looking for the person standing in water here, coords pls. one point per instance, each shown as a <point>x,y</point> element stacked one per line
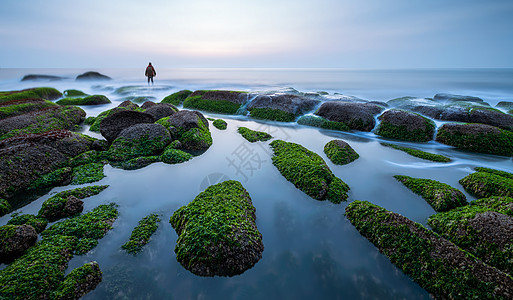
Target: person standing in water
<point>150,73</point>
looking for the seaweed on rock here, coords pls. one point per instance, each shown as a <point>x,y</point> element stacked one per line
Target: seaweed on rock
<point>308,172</point>
<point>217,233</point>
<point>88,100</point>
<point>271,114</point>
<point>419,153</point>
<point>254,136</point>
<point>441,196</point>
<point>79,282</point>
<point>484,184</point>
<point>340,152</point>
<point>321,122</point>
<point>177,98</point>
<point>220,124</point>
<point>141,234</point>
<point>437,265</point>
<point>38,223</point>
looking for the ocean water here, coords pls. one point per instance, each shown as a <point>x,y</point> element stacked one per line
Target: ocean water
<point>311,249</point>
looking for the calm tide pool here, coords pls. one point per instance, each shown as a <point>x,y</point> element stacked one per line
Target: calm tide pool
<point>311,249</point>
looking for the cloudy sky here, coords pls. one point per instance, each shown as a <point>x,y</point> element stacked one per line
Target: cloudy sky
<point>263,33</point>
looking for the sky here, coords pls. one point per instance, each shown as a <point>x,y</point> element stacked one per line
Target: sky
<point>368,34</point>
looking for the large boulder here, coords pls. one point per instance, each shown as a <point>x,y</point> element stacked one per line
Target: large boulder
<point>477,138</point>
<point>188,119</point>
<point>160,110</point>
<point>280,107</point>
<point>190,128</point>
<point>359,116</point>
<point>92,76</point>
<point>15,240</point>
<point>177,98</point>
<point>225,102</point>
<point>22,164</point>
<point>404,125</point>
<point>142,139</point>
<point>111,126</point>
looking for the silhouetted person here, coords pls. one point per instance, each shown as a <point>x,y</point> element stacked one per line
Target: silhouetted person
<point>150,73</point>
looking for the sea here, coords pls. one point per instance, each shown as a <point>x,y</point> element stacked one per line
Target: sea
<point>311,249</point>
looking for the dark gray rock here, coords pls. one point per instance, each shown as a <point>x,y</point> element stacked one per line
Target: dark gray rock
<point>92,76</point>
<point>231,96</point>
<point>143,139</point>
<point>359,116</point>
<point>188,119</point>
<point>41,77</point>
<point>452,98</point>
<point>15,240</point>
<point>111,126</point>
<point>292,104</point>
<point>404,125</point>
<point>160,110</point>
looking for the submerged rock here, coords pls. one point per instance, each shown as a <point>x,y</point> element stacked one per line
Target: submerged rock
<point>477,138</point>
<point>15,240</point>
<point>217,233</point>
<point>436,264</point>
<point>92,76</point>
<point>141,234</point>
<point>111,126</point>
<point>359,116</point>
<point>403,125</point>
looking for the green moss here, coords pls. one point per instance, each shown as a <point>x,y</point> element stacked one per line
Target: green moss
<point>18,109</point>
<point>42,92</point>
<point>338,154</point>
<point>39,224</point>
<point>503,205</point>
<point>196,139</point>
<point>483,185</point>
<point>441,196</point>
<point>88,157</point>
<point>136,163</point>
<point>496,172</point>
<point>72,287</point>
<point>38,272</point>
<point>254,136</point>
<point>177,98</point>
<point>272,114</point>
<point>401,132</point>
<point>419,153</point>
<point>7,232</point>
<point>307,171</point>
<point>456,226</point>
<point>90,226</point>
<point>217,106</point>
<point>175,156</point>
<point>124,149</point>
<point>89,100</point>
<point>54,205</point>
<point>58,177</point>
<point>87,173</point>
<point>90,120</point>
<point>452,274</point>
<point>141,234</point>
<point>220,124</point>
<point>321,122</point>
<point>500,143</point>
<point>73,93</point>
<point>222,216</point>
<point>5,207</point>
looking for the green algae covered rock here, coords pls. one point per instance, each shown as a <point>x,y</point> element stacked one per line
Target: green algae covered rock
<point>23,106</point>
<point>358,116</point>
<point>477,138</point>
<point>484,184</point>
<point>316,121</point>
<point>15,240</point>
<point>254,136</point>
<point>39,224</point>
<point>74,93</point>
<point>174,156</point>
<point>79,282</point>
<point>280,107</point>
<point>308,172</point>
<point>5,207</point>
<point>441,196</point>
<point>190,128</point>
<point>481,229</point>
<point>141,234</point>
<point>87,173</point>
<point>271,114</point>
<point>177,98</point>
<point>406,126</point>
<point>89,100</point>
<point>220,124</point>
<point>224,102</point>
<point>419,153</point>
<point>137,163</point>
<point>41,92</point>
<point>217,233</point>
<point>339,152</point>
<point>436,264</point>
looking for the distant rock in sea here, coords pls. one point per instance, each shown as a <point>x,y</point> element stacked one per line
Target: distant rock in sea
<point>41,77</point>
<point>92,76</point>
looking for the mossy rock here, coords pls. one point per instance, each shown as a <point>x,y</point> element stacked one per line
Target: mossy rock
<point>177,98</point>
<point>217,233</point>
<point>20,107</point>
<point>79,282</point>
<point>477,138</point>
<point>5,207</point>
<point>437,265</point>
<point>484,185</point>
<point>271,114</point>
<point>220,124</point>
<point>419,153</point>
<point>38,223</point>
<point>441,196</point>
<point>481,230</point>
<point>406,126</point>
<point>88,157</point>
<point>87,228</point>
<point>141,234</point>
<point>308,172</point>
<point>316,121</point>
<point>174,156</point>
<point>74,93</point>
<point>358,116</point>
<point>88,173</point>
<point>496,172</point>
<point>15,240</point>
<point>223,102</point>
<point>190,128</point>
<point>503,205</point>
<point>39,272</point>
<point>254,136</point>
<point>41,92</point>
<point>136,163</point>
<point>89,100</point>
<point>340,152</point>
